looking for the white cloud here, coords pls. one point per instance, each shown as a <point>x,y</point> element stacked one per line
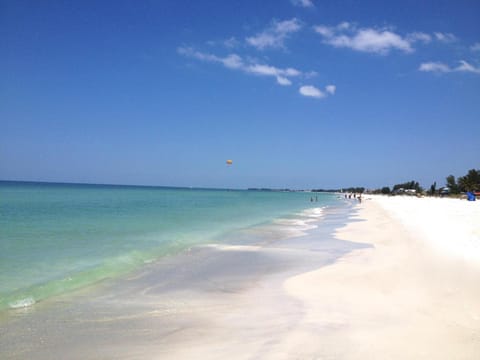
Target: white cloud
<point>235,62</point>
<point>371,40</point>
<point>434,67</point>
<point>466,67</point>
<point>188,51</point>
<point>232,61</point>
<point>344,25</point>
<point>324,30</point>
<point>380,41</point>
<point>444,68</point>
<point>311,91</point>
<point>475,47</point>
<point>265,40</point>
<point>231,43</point>
<point>283,81</point>
<point>303,3</point>
<point>330,89</point>
<point>287,26</point>
<point>266,70</point>
<point>419,36</point>
<point>275,35</point>
<point>374,40</point>
<point>445,37</point>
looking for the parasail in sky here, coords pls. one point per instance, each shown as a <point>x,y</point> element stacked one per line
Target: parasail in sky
<point>229,162</point>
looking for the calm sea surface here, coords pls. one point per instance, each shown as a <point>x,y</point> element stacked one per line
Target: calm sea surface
<point>58,237</point>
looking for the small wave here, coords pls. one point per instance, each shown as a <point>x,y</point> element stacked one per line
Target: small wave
<point>295,227</point>
<point>290,222</point>
<point>22,303</point>
<point>313,213</point>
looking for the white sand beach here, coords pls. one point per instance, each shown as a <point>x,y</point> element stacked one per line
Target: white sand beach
<point>414,295</point>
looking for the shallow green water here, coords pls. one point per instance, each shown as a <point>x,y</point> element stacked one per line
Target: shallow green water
<point>59,237</point>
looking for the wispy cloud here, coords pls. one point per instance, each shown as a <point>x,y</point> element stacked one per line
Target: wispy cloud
<point>303,3</point>
<point>232,61</point>
<point>475,47</point>
<point>235,62</point>
<point>376,40</point>
<point>310,74</point>
<point>330,89</point>
<point>379,41</point>
<point>466,67</point>
<point>312,91</point>
<point>231,42</point>
<point>439,67</point>
<point>419,36</point>
<point>275,35</point>
<point>445,37</point>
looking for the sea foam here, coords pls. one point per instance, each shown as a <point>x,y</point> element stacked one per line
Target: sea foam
<point>22,303</point>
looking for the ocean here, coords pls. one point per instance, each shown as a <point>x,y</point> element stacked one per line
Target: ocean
<point>55,238</point>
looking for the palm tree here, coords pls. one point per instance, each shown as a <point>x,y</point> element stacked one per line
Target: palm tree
<point>470,182</point>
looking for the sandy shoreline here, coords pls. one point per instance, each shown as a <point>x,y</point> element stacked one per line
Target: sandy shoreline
<point>406,298</point>
<point>216,302</point>
<point>382,288</point>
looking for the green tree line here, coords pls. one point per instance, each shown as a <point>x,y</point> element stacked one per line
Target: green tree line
<point>468,182</point>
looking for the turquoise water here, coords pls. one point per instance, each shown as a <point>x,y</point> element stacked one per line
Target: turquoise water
<point>59,237</point>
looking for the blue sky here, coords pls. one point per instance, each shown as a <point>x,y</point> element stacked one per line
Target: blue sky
<point>298,94</point>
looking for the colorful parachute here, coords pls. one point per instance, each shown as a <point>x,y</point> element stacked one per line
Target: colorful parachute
<point>229,162</point>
